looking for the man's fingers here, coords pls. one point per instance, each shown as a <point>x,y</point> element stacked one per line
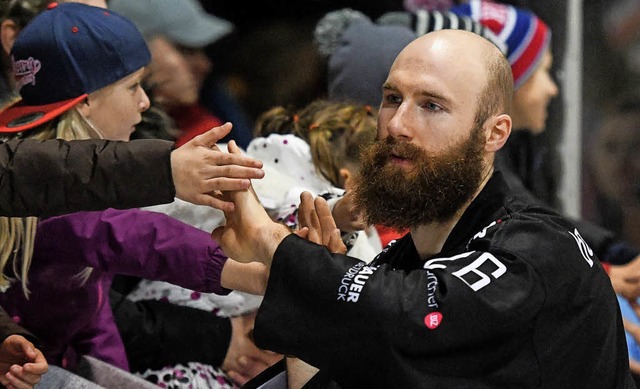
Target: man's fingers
<point>303,232</point>
<point>307,217</point>
<point>325,220</point>
<point>304,209</point>
<point>336,245</point>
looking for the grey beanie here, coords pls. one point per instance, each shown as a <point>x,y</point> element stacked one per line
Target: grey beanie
<point>360,52</point>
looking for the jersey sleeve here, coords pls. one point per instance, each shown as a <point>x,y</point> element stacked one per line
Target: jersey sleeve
<point>321,306</point>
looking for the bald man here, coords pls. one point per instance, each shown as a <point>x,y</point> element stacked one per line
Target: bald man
<point>485,292</point>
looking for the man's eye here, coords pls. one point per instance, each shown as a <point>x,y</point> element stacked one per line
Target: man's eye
<point>393,99</point>
<point>432,106</point>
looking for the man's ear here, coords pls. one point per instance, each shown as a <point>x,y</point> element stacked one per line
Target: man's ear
<point>8,34</point>
<point>498,131</point>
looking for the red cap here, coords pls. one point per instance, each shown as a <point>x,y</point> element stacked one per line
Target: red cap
<point>22,117</point>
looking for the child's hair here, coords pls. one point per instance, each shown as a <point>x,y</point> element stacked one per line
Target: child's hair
<point>17,234</point>
<point>335,131</point>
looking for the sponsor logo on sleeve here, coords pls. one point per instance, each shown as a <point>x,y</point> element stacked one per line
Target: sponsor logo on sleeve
<point>353,282</point>
<point>584,248</point>
<point>473,275</point>
<point>433,319</point>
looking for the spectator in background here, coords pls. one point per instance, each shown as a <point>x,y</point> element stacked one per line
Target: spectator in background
<point>614,168</point>
<point>179,33</point>
<point>84,110</point>
<point>317,149</point>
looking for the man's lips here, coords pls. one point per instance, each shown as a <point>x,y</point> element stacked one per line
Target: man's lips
<point>399,160</point>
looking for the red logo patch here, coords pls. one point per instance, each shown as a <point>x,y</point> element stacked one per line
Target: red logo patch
<point>433,320</point>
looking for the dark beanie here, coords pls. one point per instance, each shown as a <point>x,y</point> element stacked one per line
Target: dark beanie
<point>360,51</point>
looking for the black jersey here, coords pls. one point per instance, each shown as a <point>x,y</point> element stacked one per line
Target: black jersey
<point>516,299</point>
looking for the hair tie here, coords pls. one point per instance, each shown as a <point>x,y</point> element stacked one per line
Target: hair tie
<point>296,118</point>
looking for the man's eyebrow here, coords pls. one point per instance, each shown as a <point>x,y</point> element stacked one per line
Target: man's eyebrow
<point>436,96</point>
<point>388,86</point>
<point>427,93</point>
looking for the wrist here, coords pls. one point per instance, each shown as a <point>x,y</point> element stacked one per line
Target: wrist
<point>272,237</point>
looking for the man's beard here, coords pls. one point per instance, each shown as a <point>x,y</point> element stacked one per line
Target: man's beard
<point>435,188</point>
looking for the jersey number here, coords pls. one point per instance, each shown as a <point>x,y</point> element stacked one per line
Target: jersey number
<point>473,267</point>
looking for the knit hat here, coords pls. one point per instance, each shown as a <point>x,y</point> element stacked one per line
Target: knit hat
<point>361,52</point>
<point>184,22</point>
<point>423,21</point>
<point>526,36</point>
<point>431,5</point>
<point>65,53</point>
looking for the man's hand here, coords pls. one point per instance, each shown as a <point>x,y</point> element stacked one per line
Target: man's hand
<point>244,360</point>
<point>626,279</point>
<point>317,224</point>
<point>201,170</point>
<point>21,364</point>
<point>249,234</point>
<point>345,215</point>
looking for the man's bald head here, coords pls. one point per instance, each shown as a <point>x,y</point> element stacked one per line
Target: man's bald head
<point>471,57</point>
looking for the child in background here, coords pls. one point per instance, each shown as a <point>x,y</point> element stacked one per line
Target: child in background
<point>58,282</point>
<point>318,149</point>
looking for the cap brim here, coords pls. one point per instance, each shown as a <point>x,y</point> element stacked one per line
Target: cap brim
<point>20,117</point>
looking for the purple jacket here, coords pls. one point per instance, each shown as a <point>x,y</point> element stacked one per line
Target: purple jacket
<point>73,319</point>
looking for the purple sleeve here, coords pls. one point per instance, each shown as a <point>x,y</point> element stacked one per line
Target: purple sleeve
<point>101,339</point>
<point>133,242</point>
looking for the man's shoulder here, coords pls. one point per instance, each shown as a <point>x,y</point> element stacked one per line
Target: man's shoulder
<point>536,234</point>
